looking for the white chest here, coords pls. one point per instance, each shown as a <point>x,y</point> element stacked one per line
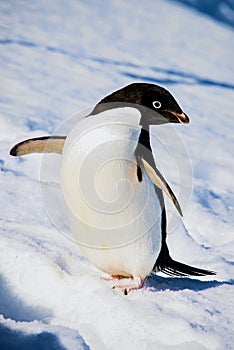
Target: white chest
<point>115,219</point>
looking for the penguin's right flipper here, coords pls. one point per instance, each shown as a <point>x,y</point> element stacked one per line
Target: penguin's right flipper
<point>167,265</point>
<point>44,144</point>
<point>159,181</point>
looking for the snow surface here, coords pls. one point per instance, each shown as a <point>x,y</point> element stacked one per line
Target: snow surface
<point>221,10</point>
<point>58,58</point>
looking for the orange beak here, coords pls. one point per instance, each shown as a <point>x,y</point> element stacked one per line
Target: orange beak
<point>182,117</point>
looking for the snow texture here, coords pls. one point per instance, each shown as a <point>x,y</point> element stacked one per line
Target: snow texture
<point>58,58</point>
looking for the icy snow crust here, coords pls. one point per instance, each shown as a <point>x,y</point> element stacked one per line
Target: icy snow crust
<point>58,58</point>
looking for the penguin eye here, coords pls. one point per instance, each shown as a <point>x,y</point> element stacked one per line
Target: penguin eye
<point>157,104</point>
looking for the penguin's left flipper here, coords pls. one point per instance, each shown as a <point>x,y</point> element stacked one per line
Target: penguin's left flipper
<point>159,181</point>
<point>44,144</point>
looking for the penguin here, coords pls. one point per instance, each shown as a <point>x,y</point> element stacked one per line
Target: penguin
<point>112,188</point>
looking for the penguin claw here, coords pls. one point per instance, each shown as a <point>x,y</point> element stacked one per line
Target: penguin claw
<point>137,283</point>
<point>126,288</point>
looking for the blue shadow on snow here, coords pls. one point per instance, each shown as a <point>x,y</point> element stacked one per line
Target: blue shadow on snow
<point>197,80</point>
<point>16,308</point>
<point>179,76</point>
<point>219,10</point>
<point>181,283</point>
<point>13,340</point>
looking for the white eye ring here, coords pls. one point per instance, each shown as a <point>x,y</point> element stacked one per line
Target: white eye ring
<point>157,104</point>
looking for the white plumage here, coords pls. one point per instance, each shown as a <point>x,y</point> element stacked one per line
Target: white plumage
<point>115,218</point>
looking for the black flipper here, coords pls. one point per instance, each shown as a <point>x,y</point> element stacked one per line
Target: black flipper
<point>164,262</point>
<point>159,181</point>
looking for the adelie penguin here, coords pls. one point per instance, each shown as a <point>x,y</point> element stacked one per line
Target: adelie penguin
<point>113,191</point>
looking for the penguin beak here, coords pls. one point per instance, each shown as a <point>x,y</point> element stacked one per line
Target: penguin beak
<point>174,117</point>
<point>182,117</point>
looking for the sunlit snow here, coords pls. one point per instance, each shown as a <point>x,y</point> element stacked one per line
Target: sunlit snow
<point>59,58</point>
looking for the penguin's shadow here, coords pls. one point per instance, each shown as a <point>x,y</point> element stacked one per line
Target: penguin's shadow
<point>159,283</point>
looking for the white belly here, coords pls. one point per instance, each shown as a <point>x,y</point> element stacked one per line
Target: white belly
<point>115,219</point>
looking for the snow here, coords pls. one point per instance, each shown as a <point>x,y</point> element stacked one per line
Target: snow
<point>58,58</point>
<point>220,10</point>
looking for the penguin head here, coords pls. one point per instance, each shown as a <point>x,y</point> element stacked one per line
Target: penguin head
<point>156,104</point>
<point>163,104</point>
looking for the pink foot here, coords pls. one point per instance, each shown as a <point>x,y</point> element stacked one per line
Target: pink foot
<point>137,283</point>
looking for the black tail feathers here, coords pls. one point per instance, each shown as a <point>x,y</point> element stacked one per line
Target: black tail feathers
<point>175,268</point>
<point>171,267</point>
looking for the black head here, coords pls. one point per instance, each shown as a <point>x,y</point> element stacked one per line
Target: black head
<point>156,104</point>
